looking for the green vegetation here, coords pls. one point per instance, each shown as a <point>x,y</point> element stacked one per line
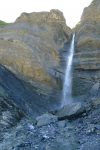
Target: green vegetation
<point>2,23</point>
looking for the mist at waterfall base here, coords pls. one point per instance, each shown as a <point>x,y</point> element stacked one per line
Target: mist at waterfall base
<point>67,85</point>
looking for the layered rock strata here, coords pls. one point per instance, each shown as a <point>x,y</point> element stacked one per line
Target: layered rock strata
<point>30,49</point>
<point>87,56</point>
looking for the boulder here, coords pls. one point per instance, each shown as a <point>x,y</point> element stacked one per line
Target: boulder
<point>46,119</point>
<point>70,110</point>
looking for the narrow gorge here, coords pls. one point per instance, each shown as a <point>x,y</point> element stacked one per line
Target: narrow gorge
<point>50,82</point>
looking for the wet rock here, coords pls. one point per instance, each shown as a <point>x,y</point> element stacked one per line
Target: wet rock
<point>46,119</point>
<point>70,110</point>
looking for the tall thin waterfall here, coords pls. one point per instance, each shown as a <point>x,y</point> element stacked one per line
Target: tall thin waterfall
<point>67,85</point>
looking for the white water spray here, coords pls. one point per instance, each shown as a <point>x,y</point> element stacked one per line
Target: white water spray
<point>67,86</point>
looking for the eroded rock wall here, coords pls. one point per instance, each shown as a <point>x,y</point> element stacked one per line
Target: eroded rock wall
<point>87,55</point>
<point>30,49</point>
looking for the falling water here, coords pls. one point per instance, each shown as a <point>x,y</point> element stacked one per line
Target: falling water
<point>67,86</point>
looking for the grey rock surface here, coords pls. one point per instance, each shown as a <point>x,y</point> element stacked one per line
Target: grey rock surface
<point>70,110</point>
<point>80,133</point>
<point>46,119</point>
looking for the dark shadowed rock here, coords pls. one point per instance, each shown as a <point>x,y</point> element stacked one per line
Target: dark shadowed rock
<point>62,124</point>
<point>10,115</point>
<point>23,94</point>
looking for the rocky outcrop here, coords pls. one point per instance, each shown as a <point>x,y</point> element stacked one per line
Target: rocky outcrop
<point>30,57</point>
<point>51,18</point>
<point>87,56</point>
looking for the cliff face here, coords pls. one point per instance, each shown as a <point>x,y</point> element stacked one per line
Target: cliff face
<point>32,61</point>
<point>30,48</point>
<point>87,56</point>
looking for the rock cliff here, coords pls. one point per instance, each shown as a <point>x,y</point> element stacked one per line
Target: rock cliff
<point>32,61</point>
<point>30,49</point>
<point>87,56</point>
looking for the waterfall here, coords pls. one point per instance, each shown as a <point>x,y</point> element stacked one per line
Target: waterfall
<point>67,85</point>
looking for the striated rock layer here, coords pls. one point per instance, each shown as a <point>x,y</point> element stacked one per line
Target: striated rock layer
<point>87,56</point>
<point>30,48</point>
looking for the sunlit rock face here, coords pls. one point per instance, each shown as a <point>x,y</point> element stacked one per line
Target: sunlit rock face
<point>87,57</point>
<point>30,48</point>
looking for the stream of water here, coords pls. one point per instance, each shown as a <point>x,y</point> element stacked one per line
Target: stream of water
<point>67,85</point>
